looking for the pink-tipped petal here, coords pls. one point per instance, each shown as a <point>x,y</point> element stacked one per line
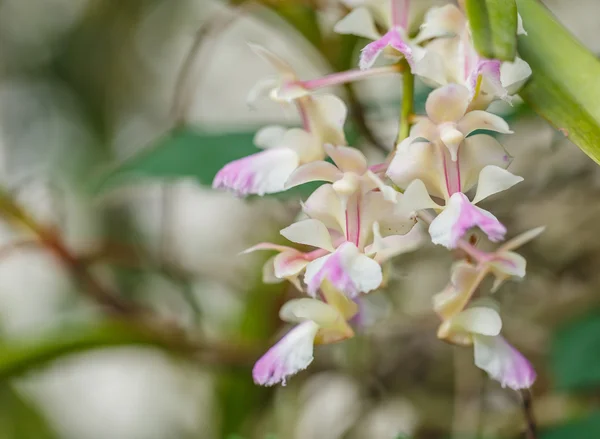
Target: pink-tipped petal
<point>503,362</point>
<point>291,354</point>
<point>262,173</point>
<point>347,269</point>
<point>460,215</point>
<point>394,39</point>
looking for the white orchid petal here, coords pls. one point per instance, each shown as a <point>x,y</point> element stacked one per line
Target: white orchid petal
<point>263,88</point>
<point>309,232</point>
<point>327,114</point>
<point>478,320</point>
<point>306,145</point>
<point>291,354</point>
<point>300,310</point>
<point>279,64</point>
<point>389,194</point>
<point>358,22</point>
<point>384,248</point>
<point>503,362</point>
<point>444,21</point>
<point>520,28</point>
<point>460,215</point>
<point>325,205</point>
<point>315,171</point>
<point>415,198</point>
<point>448,103</point>
<point>522,239</point>
<point>482,120</point>
<point>289,264</point>
<point>493,179</point>
<point>477,152</point>
<point>262,173</point>
<point>513,75</point>
<point>270,136</point>
<point>347,159</point>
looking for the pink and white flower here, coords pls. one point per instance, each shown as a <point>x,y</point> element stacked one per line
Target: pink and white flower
<point>440,159</point>
<point>317,322</point>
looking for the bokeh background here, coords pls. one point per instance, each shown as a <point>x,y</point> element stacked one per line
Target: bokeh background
<point>125,312</point>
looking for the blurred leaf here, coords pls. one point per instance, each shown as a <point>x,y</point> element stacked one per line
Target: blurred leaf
<point>588,428</point>
<point>494,27</point>
<point>564,87</point>
<point>17,357</point>
<point>19,419</point>
<point>576,354</point>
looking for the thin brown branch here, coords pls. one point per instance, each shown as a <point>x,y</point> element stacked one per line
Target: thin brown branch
<point>527,405</point>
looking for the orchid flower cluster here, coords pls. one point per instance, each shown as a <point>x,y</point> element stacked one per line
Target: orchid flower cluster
<point>364,215</point>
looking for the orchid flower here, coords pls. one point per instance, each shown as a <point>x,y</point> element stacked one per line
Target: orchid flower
<point>318,322</point>
<point>361,22</point>
<point>266,172</point>
<point>440,159</point>
<point>480,326</point>
<point>466,277</point>
<point>445,33</point>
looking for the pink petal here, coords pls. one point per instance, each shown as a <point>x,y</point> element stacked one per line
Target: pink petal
<point>291,354</point>
<point>460,215</point>
<point>348,270</point>
<point>262,173</point>
<point>392,38</point>
<point>503,362</point>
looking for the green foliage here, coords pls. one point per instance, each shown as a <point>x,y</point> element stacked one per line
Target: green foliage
<point>17,357</point>
<point>564,87</point>
<point>576,354</point>
<point>494,27</point>
<point>19,419</point>
<point>588,428</point>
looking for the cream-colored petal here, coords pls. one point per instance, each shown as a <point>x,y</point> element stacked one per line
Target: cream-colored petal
<point>416,198</point>
<point>327,114</point>
<point>269,136</point>
<point>513,75</point>
<point>493,179</point>
<point>347,159</point>
<point>482,120</point>
<point>279,64</point>
<point>309,232</point>
<point>315,171</point>
<point>358,22</point>
<point>325,205</point>
<point>478,320</point>
<point>300,310</point>
<point>441,21</point>
<point>448,103</point>
<point>305,144</point>
<point>477,152</point>
<point>522,239</point>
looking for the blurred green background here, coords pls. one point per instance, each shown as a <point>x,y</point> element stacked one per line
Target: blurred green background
<point>125,312</point>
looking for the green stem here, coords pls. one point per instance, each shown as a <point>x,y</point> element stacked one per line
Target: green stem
<point>407,109</point>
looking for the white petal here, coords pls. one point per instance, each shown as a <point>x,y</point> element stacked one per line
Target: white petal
<point>358,22</point>
<point>266,246</point>
<point>513,75</point>
<point>348,270</point>
<point>477,152</point>
<point>291,354</point>
<point>522,239</point>
<point>289,264</point>
<point>327,114</point>
<point>300,310</point>
<point>448,103</point>
<point>324,204</point>
<point>503,362</point>
<point>460,215</point>
<point>441,21</point>
<point>507,265</point>
<point>279,64</point>
<point>262,88</point>
<point>270,136</point>
<point>262,173</point>
<point>520,28</point>
<point>315,171</point>
<point>309,232</point>
<point>388,192</point>
<point>307,146</point>
<point>478,320</point>
<point>384,248</point>
<point>416,198</point>
<point>268,273</point>
<point>415,160</point>
<point>482,120</point>
<point>492,180</point>
<point>391,219</point>
<point>347,159</point>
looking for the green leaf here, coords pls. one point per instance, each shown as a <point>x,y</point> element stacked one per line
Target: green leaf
<point>494,27</point>
<point>20,356</point>
<point>588,428</point>
<point>576,354</point>
<point>19,419</point>
<point>564,87</point>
